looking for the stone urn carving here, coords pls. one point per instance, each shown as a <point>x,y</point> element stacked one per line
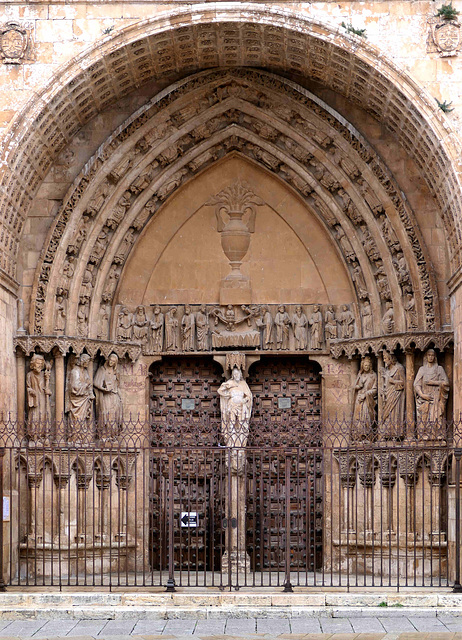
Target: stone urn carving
<point>235,213</point>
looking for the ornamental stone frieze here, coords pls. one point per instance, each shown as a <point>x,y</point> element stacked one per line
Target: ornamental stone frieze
<point>331,167</point>
<point>64,345</point>
<point>410,340</point>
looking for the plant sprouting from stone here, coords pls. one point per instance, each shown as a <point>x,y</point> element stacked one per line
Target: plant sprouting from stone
<point>444,106</point>
<point>349,28</point>
<point>108,30</point>
<point>447,12</point>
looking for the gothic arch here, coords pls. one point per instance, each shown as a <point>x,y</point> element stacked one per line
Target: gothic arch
<point>274,123</point>
<point>172,46</point>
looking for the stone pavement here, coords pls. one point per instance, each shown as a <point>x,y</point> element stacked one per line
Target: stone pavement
<point>398,627</point>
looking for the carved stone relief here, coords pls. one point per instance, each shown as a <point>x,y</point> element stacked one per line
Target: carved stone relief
<point>444,36</point>
<point>16,44</point>
<point>317,175</point>
<point>178,328</point>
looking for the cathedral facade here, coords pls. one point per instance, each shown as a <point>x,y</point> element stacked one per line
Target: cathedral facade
<point>230,293</point>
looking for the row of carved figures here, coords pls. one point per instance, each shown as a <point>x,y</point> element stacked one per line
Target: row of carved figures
<point>431,390</point>
<point>82,395</point>
<point>212,327</point>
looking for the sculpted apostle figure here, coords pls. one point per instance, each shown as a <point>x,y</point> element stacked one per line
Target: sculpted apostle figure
<point>365,399</point>
<point>79,393</point>
<point>202,329</point>
<point>38,396</point>
<point>431,388</point>
<point>330,319</point>
<point>299,324</point>
<point>236,408</point>
<point>188,323</point>
<point>394,384</point>
<point>171,330</point>
<point>347,322</point>
<point>157,327</point>
<point>282,322</point>
<point>124,325</point>
<point>140,326</point>
<point>265,322</point>
<point>108,400</point>
<point>316,333</point>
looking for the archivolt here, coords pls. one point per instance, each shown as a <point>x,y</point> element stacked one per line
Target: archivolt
<point>182,131</point>
<point>187,40</point>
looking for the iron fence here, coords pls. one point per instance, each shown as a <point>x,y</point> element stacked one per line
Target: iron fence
<point>165,504</point>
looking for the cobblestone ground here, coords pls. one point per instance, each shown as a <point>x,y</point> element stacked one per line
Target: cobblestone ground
<point>444,627</point>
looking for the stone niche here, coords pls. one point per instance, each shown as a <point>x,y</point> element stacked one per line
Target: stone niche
<point>179,258</point>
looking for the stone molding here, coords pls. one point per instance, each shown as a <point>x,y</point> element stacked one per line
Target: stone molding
<point>418,340</point>
<point>65,345</point>
<point>138,194</point>
<point>97,78</point>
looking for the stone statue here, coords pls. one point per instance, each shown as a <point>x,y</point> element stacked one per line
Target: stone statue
<point>124,325</point>
<point>330,320</point>
<point>171,330</point>
<point>366,316</point>
<point>141,327</point>
<point>87,282</point>
<point>393,394</point>
<point>103,320</point>
<point>300,324</point>
<point>347,322</point>
<point>79,393</point>
<point>202,329</point>
<point>265,322</point>
<point>388,320</point>
<point>282,322</point>
<point>38,395</point>
<point>60,313</point>
<point>365,399</point>
<point>108,400</point>
<point>236,408</point>
<point>157,328</point>
<point>188,323</point>
<point>431,388</point>
<point>316,333</point>
<point>411,312</point>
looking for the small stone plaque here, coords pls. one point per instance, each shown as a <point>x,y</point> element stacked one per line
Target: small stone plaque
<point>188,404</point>
<point>284,403</point>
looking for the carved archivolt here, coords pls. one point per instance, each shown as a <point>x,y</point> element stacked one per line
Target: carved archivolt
<point>277,125</point>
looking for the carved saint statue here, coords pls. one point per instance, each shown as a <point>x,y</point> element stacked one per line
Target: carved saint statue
<point>108,400</point>
<point>38,395</point>
<point>366,316</point>
<point>300,324</point>
<point>140,326</point>
<point>330,319</point>
<point>236,408</point>
<point>388,320</point>
<point>188,323</point>
<point>171,330</point>
<point>202,329</point>
<point>365,399</point>
<point>316,333</point>
<point>431,388</point>
<point>394,384</point>
<point>411,311</point>
<point>157,328</point>
<point>347,322</point>
<point>79,394</point>
<point>60,314</point>
<point>282,322</point>
<point>265,322</point>
<point>124,325</point>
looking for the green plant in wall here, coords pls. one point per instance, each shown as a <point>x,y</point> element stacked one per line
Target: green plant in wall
<point>444,106</point>
<point>349,28</point>
<point>447,12</point>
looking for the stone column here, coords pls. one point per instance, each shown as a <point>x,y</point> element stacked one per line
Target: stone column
<point>21,390</point>
<point>410,402</point>
<point>59,391</point>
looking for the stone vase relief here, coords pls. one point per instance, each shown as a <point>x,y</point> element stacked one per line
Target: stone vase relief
<point>235,212</point>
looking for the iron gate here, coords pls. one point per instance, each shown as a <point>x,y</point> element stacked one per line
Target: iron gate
<point>161,505</point>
